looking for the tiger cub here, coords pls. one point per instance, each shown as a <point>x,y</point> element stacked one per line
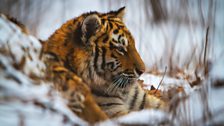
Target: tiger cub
<point>98,48</point>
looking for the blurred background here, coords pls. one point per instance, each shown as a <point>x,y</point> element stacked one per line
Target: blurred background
<point>170,33</point>
<point>186,36</point>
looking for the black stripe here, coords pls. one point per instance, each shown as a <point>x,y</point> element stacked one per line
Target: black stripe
<point>68,63</point>
<point>127,71</point>
<point>134,98</point>
<point>90,72</point>
<point>96,57</point>
<point>110,16</point>
<point>113,56</point>
<point>108,104</point>
<point>111,65</point>
<point>112,46</point>
<point>107,27</point>
<point>111,25</point>
<point>143,102</point>
<point>102,94</point>
<point>103,21</point>
<point>117,67</point>
<point>117,22</point>
<point>114,40</point>
<point>106,39</point>
<point>119,37</point>
<point>103,58</point>
<point>120,26</point>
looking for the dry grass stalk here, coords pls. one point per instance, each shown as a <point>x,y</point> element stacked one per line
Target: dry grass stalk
<point>205,54</point>
<point>161,80</point>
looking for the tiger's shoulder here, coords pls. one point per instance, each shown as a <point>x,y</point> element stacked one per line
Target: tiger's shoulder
<point>73,89</point>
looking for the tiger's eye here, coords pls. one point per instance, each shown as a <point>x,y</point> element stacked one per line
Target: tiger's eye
<point>120,48</point>
<point>115,31</point>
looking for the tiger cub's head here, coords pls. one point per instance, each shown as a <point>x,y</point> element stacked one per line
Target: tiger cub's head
<point>98,47</point>
<point>113,54</point>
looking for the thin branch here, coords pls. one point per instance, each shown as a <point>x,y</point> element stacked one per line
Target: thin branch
<point>161,80</point>
<point>205,53</point>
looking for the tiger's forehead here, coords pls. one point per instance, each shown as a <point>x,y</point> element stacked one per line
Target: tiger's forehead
<point>113,23</point>
<point>117,29</point>
<point>119,39</point>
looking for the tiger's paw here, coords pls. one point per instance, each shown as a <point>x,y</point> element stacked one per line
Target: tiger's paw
<point>76,102</point>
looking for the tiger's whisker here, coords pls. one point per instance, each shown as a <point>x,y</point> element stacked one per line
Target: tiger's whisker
<point>115,83</point>
<point>125,82</point>
<point>112,85</point>
<point>118,84</point>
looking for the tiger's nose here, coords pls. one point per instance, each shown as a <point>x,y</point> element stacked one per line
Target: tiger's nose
<point>140,71</point>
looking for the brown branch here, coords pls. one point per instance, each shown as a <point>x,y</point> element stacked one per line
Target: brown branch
<point>161,80</point>
<point>205,53</point>
<point>158,11</point>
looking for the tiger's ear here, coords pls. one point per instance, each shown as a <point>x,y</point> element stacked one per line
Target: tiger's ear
<point>119,13</point>
<point>91,24</point>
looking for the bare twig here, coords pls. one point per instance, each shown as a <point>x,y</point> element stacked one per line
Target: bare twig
<point>161,80</point>
<point>205,53</point>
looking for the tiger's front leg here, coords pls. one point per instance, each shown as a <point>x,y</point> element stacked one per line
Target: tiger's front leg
<point>78,95</point>
<point>113,106</point>
<point>139,99</point>
<point>154,102</point>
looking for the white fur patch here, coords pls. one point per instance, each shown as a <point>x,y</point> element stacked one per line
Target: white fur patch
<point>116,36</point>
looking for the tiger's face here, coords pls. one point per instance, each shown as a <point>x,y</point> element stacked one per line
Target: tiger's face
<point>114,56</point>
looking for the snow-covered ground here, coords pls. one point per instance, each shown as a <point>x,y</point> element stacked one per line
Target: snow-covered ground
<point>23,100</point>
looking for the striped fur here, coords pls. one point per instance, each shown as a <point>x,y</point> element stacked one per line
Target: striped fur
<point>99,48</point>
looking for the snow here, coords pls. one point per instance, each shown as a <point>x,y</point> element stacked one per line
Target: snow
<point>193,107</point>
<point>22,44</point>
<point>22,102</point>
<point>150,79</point>
<point>145,117</point>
